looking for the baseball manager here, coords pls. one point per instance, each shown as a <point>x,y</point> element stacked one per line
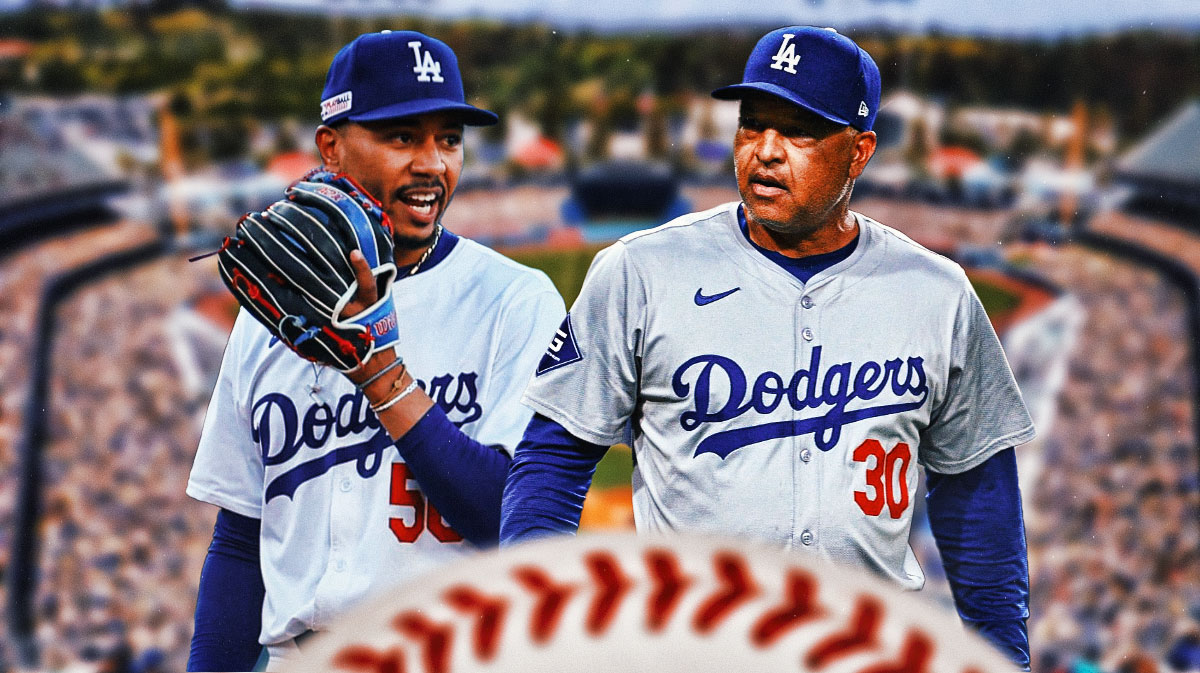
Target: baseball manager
<point>786,364</point>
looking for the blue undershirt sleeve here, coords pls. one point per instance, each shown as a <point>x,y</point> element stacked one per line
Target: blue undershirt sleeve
<point>977,522</point>
<point>230,598</point>
<point>460,476</point>
<point>547,483</point>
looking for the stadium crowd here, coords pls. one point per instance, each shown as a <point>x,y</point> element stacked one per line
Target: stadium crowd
<point>1113,530</point>
<point>1114,527</point>
<point>121,545</point>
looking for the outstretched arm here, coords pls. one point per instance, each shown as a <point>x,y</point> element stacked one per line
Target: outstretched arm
<point>977,522</point>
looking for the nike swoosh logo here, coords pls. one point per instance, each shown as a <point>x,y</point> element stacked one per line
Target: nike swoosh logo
<point>702,300</point>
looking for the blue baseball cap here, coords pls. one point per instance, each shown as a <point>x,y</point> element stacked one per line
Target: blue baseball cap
<point>816,68</point>
<point>396,74</point>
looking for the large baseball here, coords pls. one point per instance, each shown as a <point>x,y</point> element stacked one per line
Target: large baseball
<point>611,603</point>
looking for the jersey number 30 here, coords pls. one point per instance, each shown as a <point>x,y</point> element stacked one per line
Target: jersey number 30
<point>424,514</point>
<point>887,480</point>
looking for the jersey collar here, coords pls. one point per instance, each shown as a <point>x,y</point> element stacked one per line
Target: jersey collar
<point>444,245</point>
<point>848,270</point>
<point>803,268</point>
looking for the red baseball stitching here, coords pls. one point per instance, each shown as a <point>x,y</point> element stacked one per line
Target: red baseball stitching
<point>737,587</point>
<point>800,607</point>
<point>670,585</point>
<point>860,635</point>
<point>436,639</point>
<point>364,658</point>
<point>551,599</point>
<point>488,613</point>
<point>610,584</point>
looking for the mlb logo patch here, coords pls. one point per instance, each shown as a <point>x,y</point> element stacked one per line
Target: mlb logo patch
<point>336,105</point>
<point>563,349</point>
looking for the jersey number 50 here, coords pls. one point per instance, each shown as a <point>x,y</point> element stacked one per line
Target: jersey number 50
<point>424,514</point>
<point>888,479</point>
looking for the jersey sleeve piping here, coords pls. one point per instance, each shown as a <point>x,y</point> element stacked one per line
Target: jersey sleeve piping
<point>224,501</point>
<point>989,449</point>
<point>564,419</point>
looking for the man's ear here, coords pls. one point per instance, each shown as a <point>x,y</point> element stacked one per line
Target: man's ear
<point>864,149</point>
<point>329,144</point>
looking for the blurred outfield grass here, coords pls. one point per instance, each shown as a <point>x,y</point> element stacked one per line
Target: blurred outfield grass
<point>566,268</point>
<point>996,300</point>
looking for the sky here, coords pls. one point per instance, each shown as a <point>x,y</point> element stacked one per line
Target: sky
<point>1007,17</point>
<point>996,17</point>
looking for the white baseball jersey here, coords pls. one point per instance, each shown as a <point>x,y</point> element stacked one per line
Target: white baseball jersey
<point>297,446</point>
<point>787,411</point>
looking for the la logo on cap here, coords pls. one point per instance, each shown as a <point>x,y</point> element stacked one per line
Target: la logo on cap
<point>786,58</point>
<point>427,69</point>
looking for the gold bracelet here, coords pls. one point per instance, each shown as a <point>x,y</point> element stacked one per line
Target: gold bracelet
<point>408,390</point>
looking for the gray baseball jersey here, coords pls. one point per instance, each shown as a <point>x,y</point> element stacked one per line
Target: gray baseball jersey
<point>786,411</point>
<point>296,445</point>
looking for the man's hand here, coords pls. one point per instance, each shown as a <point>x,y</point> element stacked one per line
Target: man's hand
<point>367,293</point>
<point>397,419</point>
<point>316,269</point>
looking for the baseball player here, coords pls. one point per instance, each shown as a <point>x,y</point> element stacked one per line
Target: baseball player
<point>785,363</point>
<point>331,486</point>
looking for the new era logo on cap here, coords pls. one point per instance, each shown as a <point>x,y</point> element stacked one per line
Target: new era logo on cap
<point>817,69</point>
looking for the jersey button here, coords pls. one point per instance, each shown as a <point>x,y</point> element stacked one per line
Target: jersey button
<point>346,486</point>
<point>807,333</point>
<point>805,455</point>
<point>340,566</point>
<point>806,538</point>
<point>806,301</point>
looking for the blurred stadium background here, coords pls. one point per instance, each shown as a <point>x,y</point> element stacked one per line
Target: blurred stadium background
<point>1054,152</point>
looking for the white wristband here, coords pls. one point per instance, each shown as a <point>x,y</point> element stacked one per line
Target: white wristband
<point>403,394</point>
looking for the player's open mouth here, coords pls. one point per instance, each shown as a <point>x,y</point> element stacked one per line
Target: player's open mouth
<point>766,187</point>
<point>422,205</point>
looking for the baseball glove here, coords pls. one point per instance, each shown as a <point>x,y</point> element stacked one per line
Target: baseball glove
<point>289,266</point>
